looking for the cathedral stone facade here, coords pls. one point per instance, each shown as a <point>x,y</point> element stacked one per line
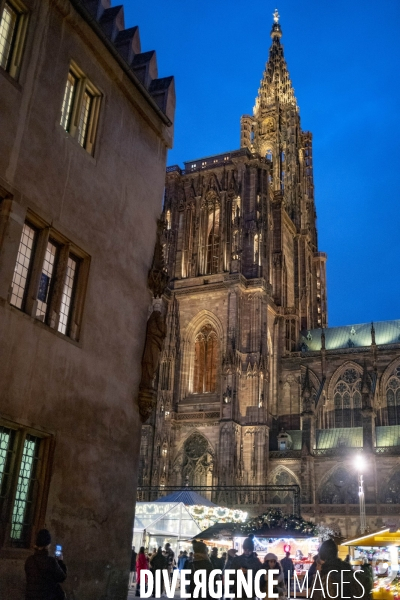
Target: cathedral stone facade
<point>253,387</point>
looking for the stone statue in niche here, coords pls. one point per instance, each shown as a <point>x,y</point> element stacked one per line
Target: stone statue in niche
<point>156,329</point>
<point>155,335</point>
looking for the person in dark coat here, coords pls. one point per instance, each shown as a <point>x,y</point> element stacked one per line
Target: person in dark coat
<point>247,560</point>
<point>200,561</point>
<point>312,570</point>
<point>216,561</point>
<point>287,567</point>
<point>132,574</point>
<point>330,563</point>
<point>44,573</point>
<point>158,562</point>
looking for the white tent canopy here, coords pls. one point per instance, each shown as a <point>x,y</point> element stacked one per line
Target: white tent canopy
<point>159,522</point>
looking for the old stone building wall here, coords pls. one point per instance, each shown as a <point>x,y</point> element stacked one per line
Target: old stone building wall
<point>85,126</point>
<point>292,401</point>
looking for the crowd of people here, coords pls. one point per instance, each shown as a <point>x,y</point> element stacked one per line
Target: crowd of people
<point>45,573</point>
<point>326,561</point>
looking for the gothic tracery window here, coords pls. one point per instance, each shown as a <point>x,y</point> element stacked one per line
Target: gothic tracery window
<point>340,488</point>
<point>205,360</point>
<point>213,242</point>
<point>282,477</point>
<point>392,492</point>
<point>347,400</point>
<point>393,398</point>
<point>197,461</point>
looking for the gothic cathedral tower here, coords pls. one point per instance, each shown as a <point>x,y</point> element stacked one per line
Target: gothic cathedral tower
<point>241,249</point>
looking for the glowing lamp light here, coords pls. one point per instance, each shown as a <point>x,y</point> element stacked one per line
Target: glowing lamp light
<point>359,463</point>
<point>286,548</point>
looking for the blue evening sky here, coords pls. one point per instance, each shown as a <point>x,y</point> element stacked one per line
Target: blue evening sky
<point>343,59</point>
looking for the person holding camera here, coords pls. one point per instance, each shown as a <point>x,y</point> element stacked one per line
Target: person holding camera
<point>44,573</point>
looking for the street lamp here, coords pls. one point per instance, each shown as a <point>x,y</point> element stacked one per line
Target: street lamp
<point>360,466</point>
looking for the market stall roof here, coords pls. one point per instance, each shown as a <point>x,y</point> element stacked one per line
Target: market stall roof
<point>384,537</point>
<point>230,530</point>
<point>188,498</point>
<point>168,518</point>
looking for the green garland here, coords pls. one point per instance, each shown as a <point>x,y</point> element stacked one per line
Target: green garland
<point>275,518</point>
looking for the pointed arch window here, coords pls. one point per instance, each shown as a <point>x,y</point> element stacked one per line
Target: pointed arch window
<point>205,362</point>
<point>213,241</point>
<point>340,488</point>
<point>168,219</point>
<point>392,492</point>
<point>347,400</point>
<point>393,398</point>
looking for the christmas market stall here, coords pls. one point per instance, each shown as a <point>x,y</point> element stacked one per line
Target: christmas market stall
<point>177,518</point>
<point>159,523</point>
<point>381,550</point>
<point>273,532</point>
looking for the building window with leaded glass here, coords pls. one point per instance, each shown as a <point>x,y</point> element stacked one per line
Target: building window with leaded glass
<point>80,108</point>
<point>13,25</point>
<point>23,471</point>
<point>49,279</point>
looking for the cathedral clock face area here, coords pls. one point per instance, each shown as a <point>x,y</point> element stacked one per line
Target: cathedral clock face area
<point>254,387</point>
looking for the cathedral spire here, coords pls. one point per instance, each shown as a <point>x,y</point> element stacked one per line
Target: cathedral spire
<point>276,85</point>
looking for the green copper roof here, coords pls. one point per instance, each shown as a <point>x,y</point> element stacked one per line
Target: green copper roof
<point>388,436</point>
<point>296,435</point>
<point>351,336</point>
<point>348,437</point>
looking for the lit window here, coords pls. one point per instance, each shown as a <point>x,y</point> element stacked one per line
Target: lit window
<point>80,109</point>
<point>68,290</point>
<point>12,35</point>
<point>86,109</point>
<point>21,482</point>
<point>45,281</point>
<point>22,266</point>
<point>168,219</point>
<point>68,99</point>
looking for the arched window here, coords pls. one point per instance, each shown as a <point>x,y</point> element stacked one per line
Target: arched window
<point>392,492</point>
<point>282,477</point>
<point>205,361</point>
<point>197,461</point>
<point>168,219</point>
<point>256,248</point>
<point>393,398</point>
<point>347,400</point>
<point>341,488</point>
<point>213,242</point>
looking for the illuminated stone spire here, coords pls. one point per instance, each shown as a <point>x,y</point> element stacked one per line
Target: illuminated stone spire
<point>276,85</point>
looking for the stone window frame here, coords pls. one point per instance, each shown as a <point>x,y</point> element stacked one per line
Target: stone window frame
<point>353,389</point>
<point>76,107</point>
<point>66,250</point>
<point>207,350</point>
<point>14,60</point>
<point>204,317</point>
<point>23,488</point>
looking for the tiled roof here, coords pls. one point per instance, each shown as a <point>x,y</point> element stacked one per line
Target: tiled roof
<point>350,437</point>
<point>388,436</point>
<point>187,497</point>
<point>351,336</point>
